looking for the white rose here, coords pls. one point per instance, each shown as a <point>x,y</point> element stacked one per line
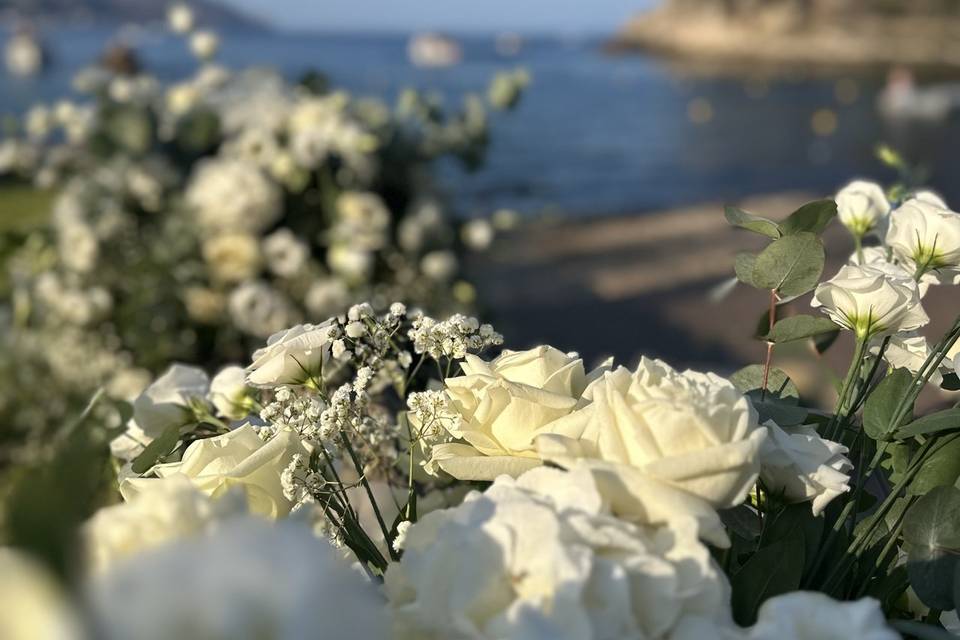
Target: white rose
<point>229,393</point>
<point>292,356</point>
<point>802,466</point>
<point>239,458</point>
<point>862,207</point>
<point>925,237</point>
<point>807,615</point>
<point>503,405</point>
<point>694,433</point>
<point>232,257</point>
<point>253,579</point>
<point>910,351</point>
<point>167,510</point>
<point>32,604</point>
<point>166,402</point>
<point>541,557</point>
<point>870,302</point>
<point>204,44</point>
<point>930,197</point>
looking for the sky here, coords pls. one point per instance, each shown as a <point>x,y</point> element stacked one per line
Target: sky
<point>559,16</point>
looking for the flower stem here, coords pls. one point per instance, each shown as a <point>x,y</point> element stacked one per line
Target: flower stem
<point>370,496</point>
<point>770,345</point>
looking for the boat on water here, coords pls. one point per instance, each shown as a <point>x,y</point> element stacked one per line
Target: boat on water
<point>434,50</point>
<point>24,54</point>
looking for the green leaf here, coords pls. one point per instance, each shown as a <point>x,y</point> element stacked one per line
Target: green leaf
<point>931,533</point>
<point>742,521</point>
<point>743,267</point>
<point>921,630</point>
<point>824,341</point>
<point>157,449</point>
<point>812,217</point>
<point>791,265</point>
<point>793,520</point>
<point>951,382</point>
<point>798,328</point>
<point>779,403</point>
<point>939,469</point>
<point>940,421</point>
<point>771,571</point>
<point>883,401</point>
<point>740,218</point>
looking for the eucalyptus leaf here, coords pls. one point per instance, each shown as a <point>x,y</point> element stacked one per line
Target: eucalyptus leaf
<point>945,420</point>
<point>797,519</point>
<point>812,217</point>
<point>791,265</point>
<point>740,218</point>
<point>931,533</point>
<point>156,450</point>
<point>749,380</point>
<point>939,469</point>
<point>883,401</point>
<point>742,521</point>
<point>743,267</point>
<point>771,571</point>
<point>798,328</point>
<point>823,341</point>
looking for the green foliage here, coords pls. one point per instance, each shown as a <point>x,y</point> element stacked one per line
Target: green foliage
<point>791,266</point>
<point>941,468</point>
<point>946,420</point>
<point>157,450</point>
<point>771,571</point>
<point>740,218</point>
<point>878,413</point>
<point>780,402</point>
<point>812,217</point>
<point>798,328</point>
<point>931,534</point>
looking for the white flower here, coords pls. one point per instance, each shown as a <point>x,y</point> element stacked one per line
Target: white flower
<point>807,615</point>
<point>252,580</point>
<point>362,220</point>
<point>477,234</point>
<point>239,458</point>
<point>870,302</point>
<point>909,351</point>
<point>799,464</point>
<point>286,255</point>
<point>182,97</point>
<point>180,18</point>
<point>168,509</point>
<point>204,44</point>
<point>664,444</point>
<point>32,604</point>
<point>166,402</point>
<point>327,298</point>
<point>292,356</point>
<point>231,195</point>
<point>540,557</point>
<point>351,263</point>
<point>862,207</point>
<point>232,257</point>
<point>259,309</point>
<point>439,265</point>
<point>229,392</point>
<point>503,405</point>
<point>926,238</point>
<point>930,197</point>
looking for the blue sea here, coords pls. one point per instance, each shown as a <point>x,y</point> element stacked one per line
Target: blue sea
<point>595,134</point>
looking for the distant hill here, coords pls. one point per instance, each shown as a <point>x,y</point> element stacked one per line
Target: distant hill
<point>921,33</point>
<point>209,12</point>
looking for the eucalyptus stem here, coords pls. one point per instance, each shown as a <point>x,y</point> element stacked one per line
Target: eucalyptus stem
<point>772,315</point>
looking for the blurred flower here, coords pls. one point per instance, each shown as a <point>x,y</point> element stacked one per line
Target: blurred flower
<point>439,265</point>
<point>797,463</point>
<point>239,458</point>
<point>477,234</point>
<point>180,18</point>
<point>169,509</point>
<point>542,557</point>
<point>232,257</point>
<point>204,305</point>
<point>870,302</point>
<point>252,580</point>
<point>327,297</point>
<point>863,207</point>
<point>807,615</point>
<point>259,309</point>
<point>353,263</point>
<point>204,44</point>
<point>286,255</point>
<point>231,195</point>
<point>32,604</point>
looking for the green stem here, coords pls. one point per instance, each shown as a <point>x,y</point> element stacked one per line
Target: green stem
<point>836,423</point>
<point>370,496</point>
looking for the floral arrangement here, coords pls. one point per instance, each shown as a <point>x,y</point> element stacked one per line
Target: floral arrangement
<point>197,217</point>
<point>523,495</point>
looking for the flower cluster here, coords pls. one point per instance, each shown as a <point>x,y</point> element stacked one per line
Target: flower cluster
<point>196,217</point>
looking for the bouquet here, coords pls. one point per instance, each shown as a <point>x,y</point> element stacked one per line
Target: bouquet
<point>197,217</point>
<point>524,495</point>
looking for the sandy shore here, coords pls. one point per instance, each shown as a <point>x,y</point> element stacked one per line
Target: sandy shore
<point>632,285</point>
